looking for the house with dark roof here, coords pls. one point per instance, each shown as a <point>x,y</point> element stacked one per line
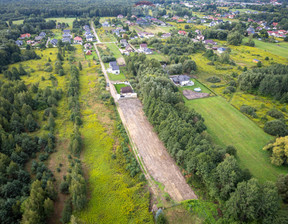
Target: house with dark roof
<point>208,42</point>
<point>123,42</point>
<point>166,35</point>
<point>66,40</point>
<point>42,34</point>
<point>183,80</point>
<point>89,37</point>
<point>113,68</point>
<point>54,42</point>
<point>19,43</point>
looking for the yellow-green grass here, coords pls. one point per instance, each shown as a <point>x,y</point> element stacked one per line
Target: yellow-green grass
<point>181,26</point>
<point>197,84</point>
<point>157,56</point>
<point>104,35</point>
<point>69,21</point>
<point>120,77</point>
<point>115,197</point>
<point>119,86</point>
<point>280,49</point>
<point>157,29</point>
<point>228,126</point>
<point>57,34</point>
<point>114,49</point>
<point>90,57</point>
<point>260,103</point>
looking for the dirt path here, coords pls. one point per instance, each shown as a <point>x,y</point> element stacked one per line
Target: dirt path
<point>156,159</point>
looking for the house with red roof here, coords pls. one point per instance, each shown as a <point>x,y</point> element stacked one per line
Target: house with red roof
<point>25,35</point>
<point>182,32</point>
<point>78,40</point>
<point>180,21</point>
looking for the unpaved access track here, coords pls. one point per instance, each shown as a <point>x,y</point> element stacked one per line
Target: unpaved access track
<point>156,159</point>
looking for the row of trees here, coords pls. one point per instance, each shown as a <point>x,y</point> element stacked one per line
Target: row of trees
<point>215,167</point>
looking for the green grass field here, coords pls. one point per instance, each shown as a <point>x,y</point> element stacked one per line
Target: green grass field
<point>114,49</point>
<point>280,49</point>
<point>114,196</point>
<point>63,20</point>
<point>119,86</point>
<point>228,126</point>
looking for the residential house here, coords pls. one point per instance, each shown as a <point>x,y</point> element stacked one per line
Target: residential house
<point>38,38</point>
<point>78,40</point>
<point>221,50</point>
<point>182,32</point>
<point>113,68</point>
<point>25,35</point>
<point>129,48</point>
<point>123,42</point>
<point>54,42</point>
<point>87,46</point>
<point>251,30</point>
<point>166,35</point>
<point>256,60</point>
<point>105,24</point>
<point>19,43</point>
<point>120,16</point>
<point>209,42</point>
<point>89,52</point>
<point>181,80</point>
<point>143,46</point>
<point>89,37</point>
<point>66,40</point>
<point>42,34</point>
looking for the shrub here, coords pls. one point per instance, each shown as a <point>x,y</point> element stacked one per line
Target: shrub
<point>275,127</point>
<point>231,150</point>
<point>275,113</point>
<point>214,79</point>
<point>248,110</point>
<point>64,187</point>
<point>43,157</point>
<point>231,89</point>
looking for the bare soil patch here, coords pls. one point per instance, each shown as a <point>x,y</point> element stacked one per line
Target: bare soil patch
<point>191,95</point>
<point>156,159</point>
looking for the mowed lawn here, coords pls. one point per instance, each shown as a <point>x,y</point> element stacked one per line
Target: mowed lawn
<point>114,49</point>
<point>228,126</point>
<point>280,48</point>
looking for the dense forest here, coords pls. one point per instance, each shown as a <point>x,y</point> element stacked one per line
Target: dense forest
<point>215,167</point>
<point>20,9</point>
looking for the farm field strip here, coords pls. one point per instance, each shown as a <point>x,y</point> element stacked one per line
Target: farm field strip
<point>228,126</point>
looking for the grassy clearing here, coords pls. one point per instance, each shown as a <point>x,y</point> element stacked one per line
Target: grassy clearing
<point>120,77</point>
<point>157,56</point>
<point>69,21</point>
<point>119,86</point>
<point>114,49</point>
<point>115,197</point>
<point>105,36</point>
<point>280,49</point>
<point>228,126</point>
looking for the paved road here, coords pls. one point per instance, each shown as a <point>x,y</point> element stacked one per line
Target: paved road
<point>148,149</point>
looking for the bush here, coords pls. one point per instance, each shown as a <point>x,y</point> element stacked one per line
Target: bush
<point>248,110</point>
<point>231,150</point>
<point>214,79</point>
<point>43,157</point>
<point>64,187</point>
<point>231,89</point>
<point>226,91</point>
<point>275,113</point>
<point>275,128</point>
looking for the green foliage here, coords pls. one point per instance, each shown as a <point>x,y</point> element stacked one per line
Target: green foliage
<point>248,110</point>
<point>282,185</point>
<point>214,79</point>
<point>253,201</point>
<point>234,38</point>
<point>275,128</point>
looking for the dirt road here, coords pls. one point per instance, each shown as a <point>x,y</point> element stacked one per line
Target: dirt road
<point>155,156</point>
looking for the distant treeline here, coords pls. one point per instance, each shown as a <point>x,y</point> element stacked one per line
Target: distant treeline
<point>16,10</point>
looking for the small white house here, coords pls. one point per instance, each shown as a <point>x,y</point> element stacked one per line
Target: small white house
<point>221,50</point>
<point>113,68</point>
<point>187,83</point>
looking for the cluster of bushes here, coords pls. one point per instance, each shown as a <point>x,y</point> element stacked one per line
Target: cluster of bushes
<point>181,130</point>
<point>249,110</point>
